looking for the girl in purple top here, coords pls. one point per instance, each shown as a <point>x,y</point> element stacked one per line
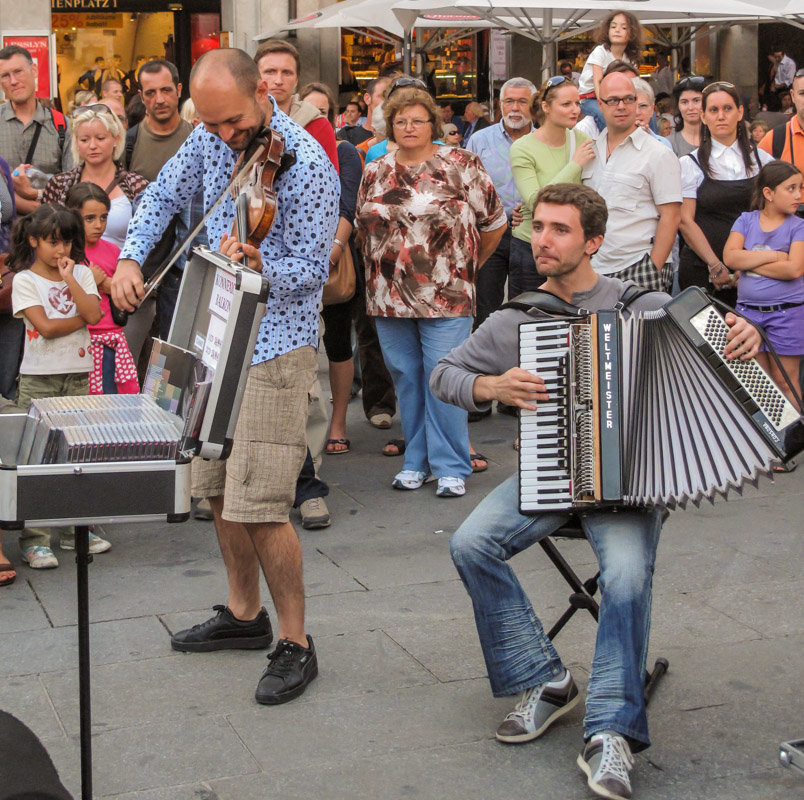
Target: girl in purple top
<point>766,248</point>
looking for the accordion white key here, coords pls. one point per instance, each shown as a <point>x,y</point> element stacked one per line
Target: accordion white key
<point>646,411</point>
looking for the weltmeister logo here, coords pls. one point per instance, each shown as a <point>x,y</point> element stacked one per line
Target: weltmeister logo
<point>83,5</point>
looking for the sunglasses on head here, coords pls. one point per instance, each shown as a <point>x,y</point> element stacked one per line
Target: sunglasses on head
<point>551,83</point>
<point>718,86</point>
<point>695,83</point>
<point>406,82</point>
<point>94,107</point>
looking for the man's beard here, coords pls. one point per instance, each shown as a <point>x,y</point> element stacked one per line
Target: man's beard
<point>516,124</point>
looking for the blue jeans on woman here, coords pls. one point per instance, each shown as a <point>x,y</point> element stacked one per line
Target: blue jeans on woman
<point>517,651</point>
<point>436,433</point>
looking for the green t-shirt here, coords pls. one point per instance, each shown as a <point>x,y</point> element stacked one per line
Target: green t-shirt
<point>153,150</point>
<point>534,165</point>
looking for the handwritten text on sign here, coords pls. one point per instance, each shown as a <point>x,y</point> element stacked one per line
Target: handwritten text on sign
<point>220,302</point>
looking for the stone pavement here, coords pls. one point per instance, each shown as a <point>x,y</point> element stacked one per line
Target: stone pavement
<point>402,706</point>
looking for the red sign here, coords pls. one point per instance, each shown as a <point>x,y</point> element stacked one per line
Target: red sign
<point>38,47</point>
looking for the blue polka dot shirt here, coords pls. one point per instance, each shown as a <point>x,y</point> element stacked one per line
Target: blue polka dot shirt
<point>295,254</point>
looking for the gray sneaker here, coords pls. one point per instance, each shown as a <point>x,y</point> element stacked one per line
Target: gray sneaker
<point>314,514</point>
<point>606,761</point>
<point>537,709</point>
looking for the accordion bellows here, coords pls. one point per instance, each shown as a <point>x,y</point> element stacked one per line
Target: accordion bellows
<point>646,411</point>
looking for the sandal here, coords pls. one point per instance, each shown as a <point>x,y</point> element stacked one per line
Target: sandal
<point>478,457</point>
<point>399,444</point>
<point>331,451</point>
<point>5,569</point>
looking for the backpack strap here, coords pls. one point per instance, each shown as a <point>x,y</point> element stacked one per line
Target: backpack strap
<point>61,126</point>
<point>777,143</point>
<point>131,141</point>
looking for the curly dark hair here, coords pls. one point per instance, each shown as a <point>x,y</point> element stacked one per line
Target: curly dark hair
<point>48,221</point>
<point>633,50</point>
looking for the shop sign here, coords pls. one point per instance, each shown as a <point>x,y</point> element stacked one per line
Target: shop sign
<point>87,21</point>
<point>498,55</point>
<point>83,5</point>
<point>38,47</point>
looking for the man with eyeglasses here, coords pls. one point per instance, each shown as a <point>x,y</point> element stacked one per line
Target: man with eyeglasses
<point>30,134</point>
<point>493,146</point>
<point>640,180</point>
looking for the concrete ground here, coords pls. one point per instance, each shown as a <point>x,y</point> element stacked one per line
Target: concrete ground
<point>402,707</point>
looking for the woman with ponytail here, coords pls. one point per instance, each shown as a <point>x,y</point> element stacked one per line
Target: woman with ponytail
<point>717,183</point>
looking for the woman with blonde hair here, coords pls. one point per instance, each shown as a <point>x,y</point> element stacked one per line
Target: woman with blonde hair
<point>427,218</point>
<point>98,141</point>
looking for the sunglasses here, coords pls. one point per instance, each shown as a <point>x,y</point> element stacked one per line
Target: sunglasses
<point>551,83</point>
<point>718,86</point>
<point>94,107</point>
<point>406,82</point>
<point>694,82</point>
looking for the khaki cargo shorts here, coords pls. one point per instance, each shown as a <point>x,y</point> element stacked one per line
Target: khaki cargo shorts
<point>258,480</point>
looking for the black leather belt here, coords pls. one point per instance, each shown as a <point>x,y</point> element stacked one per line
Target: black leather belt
<point>778,307</point>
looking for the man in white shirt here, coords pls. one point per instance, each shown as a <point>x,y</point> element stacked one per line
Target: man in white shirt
<point>783,71</point>
<point>640,180</point>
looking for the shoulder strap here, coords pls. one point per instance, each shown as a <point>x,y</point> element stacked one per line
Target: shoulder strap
<point>32,149</point>
<point>777,144</point>
<point>61,127</point>
<point>630,294</point>
<point>697,163</point>
<point>131,141</point>
<point>545,302</point>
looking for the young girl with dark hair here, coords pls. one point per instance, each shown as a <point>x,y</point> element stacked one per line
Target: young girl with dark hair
<point>766,249</point>
<point>620,38</point>
<point>114,370</point>
<point>717,182</point>
<point>57,298</point>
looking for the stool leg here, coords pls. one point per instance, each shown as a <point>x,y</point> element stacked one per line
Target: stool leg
<point>652,678</point>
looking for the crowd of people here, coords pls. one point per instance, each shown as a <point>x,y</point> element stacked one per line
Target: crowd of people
<point>583,187</point>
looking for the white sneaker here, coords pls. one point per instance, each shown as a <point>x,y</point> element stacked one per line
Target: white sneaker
<point>96,543</point>
<point>409,479</point>
<point>606,761</point>
<point>451,487</point>
<point>40,558</point>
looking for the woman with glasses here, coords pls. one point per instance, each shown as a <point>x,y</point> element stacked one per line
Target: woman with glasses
<point>98,141</point>
<point>553,153</point>
<point>427,218</point>
<point>687,94</point>
<point>717,182</point>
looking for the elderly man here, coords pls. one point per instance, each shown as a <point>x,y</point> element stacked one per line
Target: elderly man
<point>640,180</point>
<point>474,117</point>
<point>493,146</point>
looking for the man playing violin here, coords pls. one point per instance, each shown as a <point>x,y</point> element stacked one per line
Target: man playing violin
<point>252,492</point>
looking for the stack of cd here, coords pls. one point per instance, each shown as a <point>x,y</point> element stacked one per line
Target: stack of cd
<point>123,427</point>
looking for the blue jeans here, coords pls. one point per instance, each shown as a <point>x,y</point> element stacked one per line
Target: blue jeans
<point>590,107</point>
<point>436,433</point>
<point>518,653</point>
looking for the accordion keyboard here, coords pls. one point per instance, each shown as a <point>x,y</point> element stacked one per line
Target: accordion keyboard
<point>545,446</point>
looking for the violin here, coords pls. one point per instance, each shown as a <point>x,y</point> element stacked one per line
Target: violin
<point>253,188</point>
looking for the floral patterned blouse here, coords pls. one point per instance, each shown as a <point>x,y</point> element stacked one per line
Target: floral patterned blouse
<point>420,227</point>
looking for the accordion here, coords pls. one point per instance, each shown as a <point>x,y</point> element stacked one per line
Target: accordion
<point>646,411</point>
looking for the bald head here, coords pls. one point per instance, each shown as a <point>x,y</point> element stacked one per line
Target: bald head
<point>620,116</point>
<point>215,66</point>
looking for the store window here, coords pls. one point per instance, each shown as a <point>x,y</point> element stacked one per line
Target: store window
<point>450,69</point>
<point>91,45</point>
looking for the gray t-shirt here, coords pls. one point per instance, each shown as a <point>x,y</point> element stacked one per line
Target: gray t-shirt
<point>681,147</point>
<point>494,347</point>
<point>153,150</point>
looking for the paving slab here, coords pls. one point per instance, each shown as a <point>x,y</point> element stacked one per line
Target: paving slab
<point>26,697</point>
<point>156,755</point>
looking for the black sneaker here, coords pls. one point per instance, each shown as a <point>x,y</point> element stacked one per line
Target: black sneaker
<point>291,667</point>
<point>225,632</point>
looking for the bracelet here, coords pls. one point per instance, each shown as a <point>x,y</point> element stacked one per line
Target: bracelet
<point>340,243</point>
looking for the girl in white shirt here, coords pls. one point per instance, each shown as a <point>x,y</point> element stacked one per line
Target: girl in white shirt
<point>620,37</point>
<point>717,183</point>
